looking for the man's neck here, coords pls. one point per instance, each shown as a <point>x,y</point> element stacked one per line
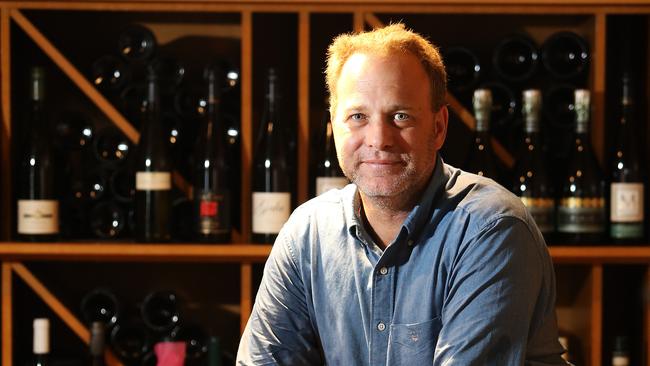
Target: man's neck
<point>382,223</point>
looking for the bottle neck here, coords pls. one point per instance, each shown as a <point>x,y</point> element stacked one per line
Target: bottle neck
<point>482,122</point>
<point>37,92</point>
<point>582,126</point>
<point>532,124</point>
<point>152,95</point>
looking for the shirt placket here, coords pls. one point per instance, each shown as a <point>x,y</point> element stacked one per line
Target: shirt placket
<point>382,312</point>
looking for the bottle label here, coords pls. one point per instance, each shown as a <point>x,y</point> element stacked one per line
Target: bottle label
<point>39,217</point>
<point>270,211</point>
<point>620,361</point>
<point>324,184</point>
<point>213,211</point>
<point>41,344</point>
<point>626,202</point>
<point>542,211</point>
<point>581,215</point>
<point>153,181</point>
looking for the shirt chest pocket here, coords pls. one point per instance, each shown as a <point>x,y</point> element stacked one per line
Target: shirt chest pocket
<point>413,344</point>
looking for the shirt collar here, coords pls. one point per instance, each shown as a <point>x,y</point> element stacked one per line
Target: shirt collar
<point>416,219</point>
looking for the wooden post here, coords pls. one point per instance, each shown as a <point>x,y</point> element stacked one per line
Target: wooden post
<point>6,224</point>
<point>303,105</point>
<point>246,300</point>
<point>7,315</point>
<point>246,122</point>
<point>596,314</point>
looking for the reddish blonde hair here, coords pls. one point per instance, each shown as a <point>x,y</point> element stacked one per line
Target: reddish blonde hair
<point>392,39</point>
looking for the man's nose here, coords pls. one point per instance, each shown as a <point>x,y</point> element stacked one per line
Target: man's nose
<point>379,134</point>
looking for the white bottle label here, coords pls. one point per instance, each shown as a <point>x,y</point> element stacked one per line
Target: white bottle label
<point>41,336</point>
<point>626,202</point>
<point>40,217</point>
<point>324,184</point>
<point>153,181</point>
<point>270,211</point>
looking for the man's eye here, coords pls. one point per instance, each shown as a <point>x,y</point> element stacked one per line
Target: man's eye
<point>356,117</point>
<point>401,116</point>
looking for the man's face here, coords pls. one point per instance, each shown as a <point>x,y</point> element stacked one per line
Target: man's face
<point>385,129</point>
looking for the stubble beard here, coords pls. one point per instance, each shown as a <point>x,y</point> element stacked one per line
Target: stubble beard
<point>388,192</point>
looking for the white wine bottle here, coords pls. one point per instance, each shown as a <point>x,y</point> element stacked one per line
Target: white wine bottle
<point>271,203</point>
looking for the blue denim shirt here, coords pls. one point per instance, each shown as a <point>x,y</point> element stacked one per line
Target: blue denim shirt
<point>468,281</point>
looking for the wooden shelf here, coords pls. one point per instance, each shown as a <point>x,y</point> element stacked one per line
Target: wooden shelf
<point>600,254</point>
<point>252,253</point>
<point>246,253</point>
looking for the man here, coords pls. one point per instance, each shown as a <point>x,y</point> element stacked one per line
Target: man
<point>416,262</point>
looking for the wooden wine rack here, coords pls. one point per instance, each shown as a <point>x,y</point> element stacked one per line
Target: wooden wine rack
<point>584,318</point>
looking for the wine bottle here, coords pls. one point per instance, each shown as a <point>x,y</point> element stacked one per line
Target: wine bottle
<point>558,105</point>
<point>130,101</point>
<point>110,75</point>
<point>626,214</point>
<point>110,147</point>
<point>153,175</point>
<point>122,185</point>
<point>271,172</point>
<point>38,205</point>
<point>532,181</point>
<point>41,344</point>
<point>515,58</point>
<point>565,55</point>
<point>97,344</point>
<point>328,172</point>
<point>214,352</point>
<point>211,195</point>
<point>130,341</point>
<point>481,157</point>
<point>504,104</point>
<point>100,304</point>
<point>136,43</point>
<point>581,210</point>
<point>621,351</point>
<point>107,220</point>
<point>463,69</point>
<point>73,131</point>
<point>170,74</point>
<point>195,340</point>
<point>160,311</point>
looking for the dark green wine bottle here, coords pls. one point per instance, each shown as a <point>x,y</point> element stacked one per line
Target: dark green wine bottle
<point>532,182</point>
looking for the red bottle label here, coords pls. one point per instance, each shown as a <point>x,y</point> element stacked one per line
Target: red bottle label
<point>209,208</point>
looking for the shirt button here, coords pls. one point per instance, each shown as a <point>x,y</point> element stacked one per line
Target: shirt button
<point>410,242</point>
<point>381,326</point>
<point>383,270</point>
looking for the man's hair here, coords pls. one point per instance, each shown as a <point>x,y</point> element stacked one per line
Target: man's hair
<point>392,39</point>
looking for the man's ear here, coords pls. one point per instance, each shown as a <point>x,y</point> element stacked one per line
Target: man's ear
<point>440,121</point>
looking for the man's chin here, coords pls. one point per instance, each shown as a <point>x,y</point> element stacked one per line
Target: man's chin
<point>379,191</point>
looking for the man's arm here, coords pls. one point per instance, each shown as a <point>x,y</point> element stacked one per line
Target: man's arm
<point>279,331</point>
<point>499,305</point>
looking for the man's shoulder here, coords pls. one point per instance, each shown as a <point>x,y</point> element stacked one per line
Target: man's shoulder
<point>482,199</point>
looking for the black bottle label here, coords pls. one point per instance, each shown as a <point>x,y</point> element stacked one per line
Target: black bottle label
<point>213,212</point>
<point>581,215</point>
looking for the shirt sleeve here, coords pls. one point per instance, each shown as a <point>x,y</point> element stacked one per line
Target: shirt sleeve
<point>500,299</point>
<point>279,330</point>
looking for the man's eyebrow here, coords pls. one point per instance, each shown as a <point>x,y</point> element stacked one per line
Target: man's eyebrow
<point>401,107</point>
